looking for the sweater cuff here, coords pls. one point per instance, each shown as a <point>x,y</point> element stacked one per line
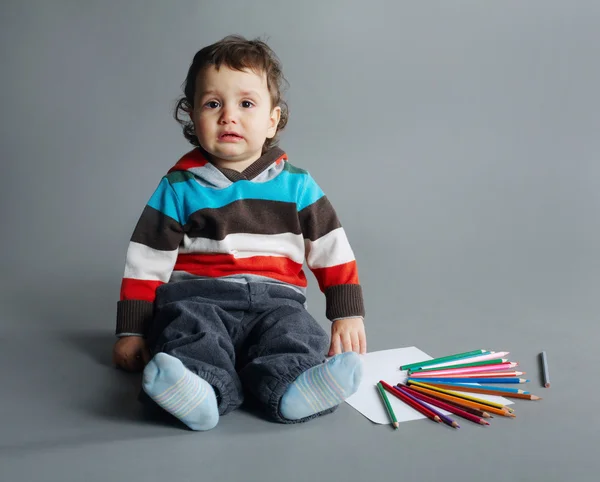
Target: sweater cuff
<point>344,301</point>
<point>134,316</point>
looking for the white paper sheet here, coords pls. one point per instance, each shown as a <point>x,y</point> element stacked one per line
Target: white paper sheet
<point>385,365</point>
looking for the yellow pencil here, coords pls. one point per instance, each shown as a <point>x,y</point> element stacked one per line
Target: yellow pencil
<point>458,394</point>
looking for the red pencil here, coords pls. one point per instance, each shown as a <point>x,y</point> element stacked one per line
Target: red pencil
<point>446,406</point>
<point>409,401</point>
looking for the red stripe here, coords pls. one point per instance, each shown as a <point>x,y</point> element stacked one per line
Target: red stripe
<point>192,159</point>
<point>138,289</point>
<point>216,265</point>
<point>342,274</point>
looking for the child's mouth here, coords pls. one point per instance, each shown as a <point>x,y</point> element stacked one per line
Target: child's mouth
<point>230,137</point>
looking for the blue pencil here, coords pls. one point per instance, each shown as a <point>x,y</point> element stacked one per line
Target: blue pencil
<point>470,380</point>
<point>481,387</point>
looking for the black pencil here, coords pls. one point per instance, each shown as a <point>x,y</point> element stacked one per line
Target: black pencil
<point>545,371</point>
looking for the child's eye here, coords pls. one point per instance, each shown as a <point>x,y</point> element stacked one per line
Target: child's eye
<point>247,104</point>
<point>213,104</point>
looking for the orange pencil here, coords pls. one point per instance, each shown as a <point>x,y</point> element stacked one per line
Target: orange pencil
<point>481,401</point>
<point>461,401</point>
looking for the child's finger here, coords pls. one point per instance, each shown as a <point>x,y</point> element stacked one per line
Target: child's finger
<point>363,342</point>
<point>346,342</point>
<point>334,347</point>
<point>355,342</point>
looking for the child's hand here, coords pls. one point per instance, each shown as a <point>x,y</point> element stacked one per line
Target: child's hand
<point>348,334</point>
<point>131,353</point>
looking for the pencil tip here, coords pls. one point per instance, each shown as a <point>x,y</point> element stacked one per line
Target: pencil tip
<point>547,385</point>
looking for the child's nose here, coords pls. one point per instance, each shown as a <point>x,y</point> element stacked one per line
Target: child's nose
<point>227,115</point>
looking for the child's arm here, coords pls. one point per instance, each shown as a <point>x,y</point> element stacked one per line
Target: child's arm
<point>331,259</point>
<point>151,256</point>
<point>131,353</point>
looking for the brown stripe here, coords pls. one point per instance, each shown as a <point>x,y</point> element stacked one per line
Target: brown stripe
<point>133,316</point>
<point>255,168</point>
<point>318,219</point>
<point>251,216</point>
<point>344,301</point>
<point>158,231</point>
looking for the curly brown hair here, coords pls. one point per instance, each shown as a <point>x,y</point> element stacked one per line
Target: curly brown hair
<point>238,53</point>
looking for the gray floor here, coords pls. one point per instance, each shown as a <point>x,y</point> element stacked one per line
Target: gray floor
<point>68,415</point>
<point>458,141</point>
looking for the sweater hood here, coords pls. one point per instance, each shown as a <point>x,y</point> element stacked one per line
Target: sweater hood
<point>196,162</point>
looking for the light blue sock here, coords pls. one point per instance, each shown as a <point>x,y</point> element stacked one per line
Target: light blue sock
<point>322,387</point>
<point>181,392</point>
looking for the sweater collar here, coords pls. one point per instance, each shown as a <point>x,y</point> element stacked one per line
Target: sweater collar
<point>198,158</point>
<point>260,165</point>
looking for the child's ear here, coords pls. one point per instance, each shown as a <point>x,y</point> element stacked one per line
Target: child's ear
<point>274,122</point>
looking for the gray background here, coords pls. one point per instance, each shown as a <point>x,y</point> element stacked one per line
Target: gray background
<point>458,141</point>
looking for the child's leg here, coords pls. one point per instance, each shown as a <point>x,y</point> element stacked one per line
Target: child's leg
<point>285,365</point>
<point>193,376</point>
<point>322,387</point>
<point>180,392</point>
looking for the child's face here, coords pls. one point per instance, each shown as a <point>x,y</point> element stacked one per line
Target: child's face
<point>233,116</point>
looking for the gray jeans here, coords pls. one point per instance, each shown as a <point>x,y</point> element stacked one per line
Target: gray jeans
<point>251,337</point>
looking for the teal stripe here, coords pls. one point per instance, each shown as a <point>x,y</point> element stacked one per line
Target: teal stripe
<point>290,187</point>
<point>311,193</point>
<point>286,187</point>
<point>165,200</point>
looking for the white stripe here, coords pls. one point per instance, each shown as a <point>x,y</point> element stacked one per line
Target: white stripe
<point>329,250</point>
<point>242,245</point>
<point>145,263</point>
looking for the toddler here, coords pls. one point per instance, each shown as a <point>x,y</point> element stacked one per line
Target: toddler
<point>213,299</point>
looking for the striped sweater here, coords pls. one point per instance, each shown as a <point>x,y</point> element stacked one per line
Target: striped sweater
<point>265,222</point>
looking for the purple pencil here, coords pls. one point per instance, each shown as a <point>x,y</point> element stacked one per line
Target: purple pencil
<point>447,420</point>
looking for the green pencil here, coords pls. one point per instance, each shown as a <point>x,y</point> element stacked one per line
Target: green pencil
<point>462,365</point>
<point>443,359</point>
<point>388,407</point>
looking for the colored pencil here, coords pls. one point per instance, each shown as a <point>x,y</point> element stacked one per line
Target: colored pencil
<point>433,361</point>
<point>475,375</point>
<point>417,406</point>
<point>502,392</point>
<point>545,371</point>
<point>388,407</point>
<point>489,356</point>
<point>473,411</point>
<point>447,420</point>
<point>496,367</point>
<point>481,401</point>
<point>510,380</point>
<point>485,388</point>
<point>447,406</point>
<point>462,402</point>
<point>494,361</point>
